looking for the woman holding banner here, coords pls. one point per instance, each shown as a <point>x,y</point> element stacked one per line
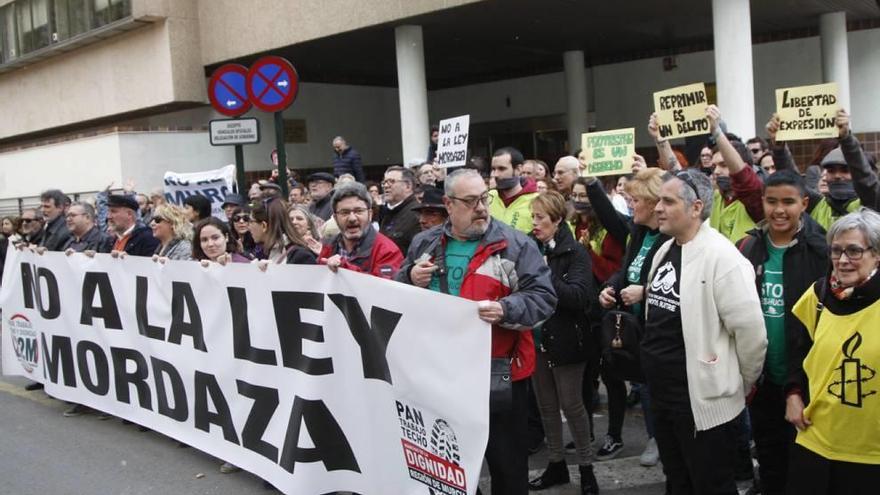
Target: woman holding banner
<point>173,230</point>
<point>214,242</point>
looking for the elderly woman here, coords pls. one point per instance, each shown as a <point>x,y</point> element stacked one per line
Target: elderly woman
<point>306,225</point>
<point>173,230</point>
<point>833,389</point>
<point>565,343</point>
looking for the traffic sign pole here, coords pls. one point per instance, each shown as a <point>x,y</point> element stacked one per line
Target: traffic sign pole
<point>239,169</point>
<point>282,153</point>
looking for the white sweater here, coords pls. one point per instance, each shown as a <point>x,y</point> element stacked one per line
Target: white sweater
<point>722,324</point>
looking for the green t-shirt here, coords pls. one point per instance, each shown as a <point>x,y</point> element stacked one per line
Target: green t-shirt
<point>634,271</point>
<point>458,256</point>
<point>773,305</point>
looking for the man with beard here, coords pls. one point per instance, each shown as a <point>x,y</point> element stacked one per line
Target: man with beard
<point>85,235</point>
<point>53,203</point>
<point>321,192</point>
<point>736,206</point>
<point>513,194</point>
<point>852,181</point>
<point>358,246</point>
<point>475,257</point>
<point>132,237</point>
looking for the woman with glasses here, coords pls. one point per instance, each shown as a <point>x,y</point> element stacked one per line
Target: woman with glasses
<point>173,230</point>
<point>213,242</point>
<point>305,223</point>
<point>239,221</point>
<point>274,234</point>
<point>833,389</point>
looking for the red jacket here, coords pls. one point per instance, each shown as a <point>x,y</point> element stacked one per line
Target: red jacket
<point>375,254</point>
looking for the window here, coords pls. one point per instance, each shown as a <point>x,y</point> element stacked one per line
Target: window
<point>8,45</point>
<point>107,11</point>
<point>71,19</point>
<point>33,24</point>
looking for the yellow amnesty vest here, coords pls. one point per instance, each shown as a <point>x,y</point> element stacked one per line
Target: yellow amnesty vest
<point>825,216</point>
<point>733,221</point>
<point>517,215</point>
<point>844,388</point>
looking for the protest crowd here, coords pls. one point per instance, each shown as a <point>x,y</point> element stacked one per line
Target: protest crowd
<point>722,294</point>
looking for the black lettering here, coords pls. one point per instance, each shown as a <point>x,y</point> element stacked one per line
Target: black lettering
<point>206,385</point>
<point>62,352</point>
<point>161,369</point>
<point>292,330</point>
<point>108,310</point>
<point>182,298</point>
<point>372,337</point>
<point>265,404</point>
<point>136,377</point>
<point>140,310</point>
<point>33,290</point>
<point>331,445</point>
<point>241,333</point>
<point>99,384</point>
<point>213,195</point>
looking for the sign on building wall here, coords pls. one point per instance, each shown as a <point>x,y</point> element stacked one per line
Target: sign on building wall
<point>681,111</point>
<point>807,112</point>
<point>452,142</point>
<point>608,152</point>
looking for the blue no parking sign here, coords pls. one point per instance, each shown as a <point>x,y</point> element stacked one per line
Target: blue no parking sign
<point>272,84</point>
<point>227,90</point>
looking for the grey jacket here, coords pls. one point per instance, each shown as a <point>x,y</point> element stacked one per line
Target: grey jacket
<point>177,249</point>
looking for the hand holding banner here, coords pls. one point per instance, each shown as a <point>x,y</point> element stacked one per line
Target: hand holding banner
<point>807,112</point>
<point>608,152</point>
<point>681,111</point>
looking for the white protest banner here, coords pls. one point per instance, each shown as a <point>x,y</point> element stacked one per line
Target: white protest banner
<point>608,152</point>
<point>807,112</point>
<point>452,142</point>
<point>212,184</point>
<point>681,111</point>
<point>316,382</point>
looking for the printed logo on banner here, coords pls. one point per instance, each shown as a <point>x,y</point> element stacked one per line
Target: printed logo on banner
<point>25,341</point>
<point>433,459</point>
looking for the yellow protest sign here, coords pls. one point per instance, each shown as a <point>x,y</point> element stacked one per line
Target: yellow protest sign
<point>681,111</point>
<point>807,112</point>
<point>608,152</point>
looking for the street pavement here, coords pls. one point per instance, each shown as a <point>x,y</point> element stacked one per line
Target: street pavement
<point>44,453</point>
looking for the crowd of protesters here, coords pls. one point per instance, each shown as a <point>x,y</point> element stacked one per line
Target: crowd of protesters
<point>742,282</point>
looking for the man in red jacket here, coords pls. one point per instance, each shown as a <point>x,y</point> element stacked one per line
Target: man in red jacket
<point>358,246</point>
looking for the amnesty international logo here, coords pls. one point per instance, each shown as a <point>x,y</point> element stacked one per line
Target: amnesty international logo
<point>853,376</point>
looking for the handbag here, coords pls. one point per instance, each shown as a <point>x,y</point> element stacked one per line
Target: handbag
<point>500,386</point>
<point>620,338</point>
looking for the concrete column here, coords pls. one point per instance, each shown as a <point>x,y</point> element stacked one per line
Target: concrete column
<point>576,97</point>
<point>413,92</point>
<point>732,31</point>
<point>835,54</point>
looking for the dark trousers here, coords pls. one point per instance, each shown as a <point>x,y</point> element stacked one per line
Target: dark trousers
<point>695,462</point>
<point>773,436</point>
<point>813,474</point>
<point>506,452</point>
<point>616,389</point>
<point>536,426</point>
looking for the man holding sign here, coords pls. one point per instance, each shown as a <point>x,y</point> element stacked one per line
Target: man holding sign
<point>681,111</point>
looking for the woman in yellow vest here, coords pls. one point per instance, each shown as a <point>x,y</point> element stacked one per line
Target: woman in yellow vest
<point>833,388</point>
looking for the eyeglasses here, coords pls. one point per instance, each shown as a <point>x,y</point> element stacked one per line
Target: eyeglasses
<point>472,202</point>
<point>241,218</point>
<point>853,253</point>
<point>686,178</point>
<point>158,220</point>
<point>73,215</point>
<point>29,220</point>
<point>357,211</point>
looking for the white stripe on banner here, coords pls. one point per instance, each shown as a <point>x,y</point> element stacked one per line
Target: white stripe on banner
<point>316,382</point>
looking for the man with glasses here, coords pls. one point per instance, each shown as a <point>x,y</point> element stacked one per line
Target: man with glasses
<point>513,193</point>
<point>704,340</point>
<point>757,147</point>
<point>358,246</point>
<point>132,237</point>
<point>321,192</point>
<point>478,258</point>
<point>31,226</point>
<point>400,222</point>
<point>84,234</point>
<point>53,204</point>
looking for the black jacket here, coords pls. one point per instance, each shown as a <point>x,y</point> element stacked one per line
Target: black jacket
<point>322,208</point>
<point>142,242</point>
<point>402,223</point>
<point>804,262</point>
<point>56,234</point>
<point>566,337</point>
<point>348,162</point>
<point>298,255</point>
<point>93,240</point>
